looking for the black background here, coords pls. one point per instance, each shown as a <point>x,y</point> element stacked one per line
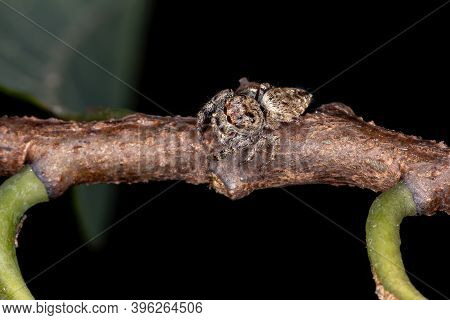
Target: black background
<point>191,243</point>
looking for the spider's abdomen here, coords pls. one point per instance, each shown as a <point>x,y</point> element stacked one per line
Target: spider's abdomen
<point>285,104</point>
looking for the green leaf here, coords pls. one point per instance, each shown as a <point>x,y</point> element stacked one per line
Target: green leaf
<point>69,58</point>
<point>89,201</point>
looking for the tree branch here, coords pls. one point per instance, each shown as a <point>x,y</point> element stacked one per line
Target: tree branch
<point>331,146</point>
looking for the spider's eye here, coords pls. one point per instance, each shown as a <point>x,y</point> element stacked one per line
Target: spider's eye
<point>250,115</point>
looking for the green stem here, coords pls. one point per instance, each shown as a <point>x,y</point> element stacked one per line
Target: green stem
<point>17,195</point>
<point>383,241</point>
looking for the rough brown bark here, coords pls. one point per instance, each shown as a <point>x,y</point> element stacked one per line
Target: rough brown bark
<point>331,146</point>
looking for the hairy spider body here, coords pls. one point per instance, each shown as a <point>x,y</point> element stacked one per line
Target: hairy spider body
<point>284,105</point>
<point>238,123</point>
<point>243,120</point>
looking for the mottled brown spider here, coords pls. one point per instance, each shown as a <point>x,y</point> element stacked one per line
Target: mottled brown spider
<point>244,120</point>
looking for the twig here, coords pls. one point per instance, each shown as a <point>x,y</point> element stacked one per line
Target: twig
<point>331,146</point>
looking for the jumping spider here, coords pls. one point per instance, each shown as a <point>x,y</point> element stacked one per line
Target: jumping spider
<point>244,119</point>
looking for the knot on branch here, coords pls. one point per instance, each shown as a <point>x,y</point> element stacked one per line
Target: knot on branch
<point>430,185</point>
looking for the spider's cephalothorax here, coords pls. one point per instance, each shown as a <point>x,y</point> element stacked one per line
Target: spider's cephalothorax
<point>244,120</point>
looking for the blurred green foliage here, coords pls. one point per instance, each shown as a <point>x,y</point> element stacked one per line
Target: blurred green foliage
<point>72,58</point>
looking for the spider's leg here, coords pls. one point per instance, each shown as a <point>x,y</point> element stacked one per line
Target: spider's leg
<point>268,140</point>
<point>204,114</point>
<point>271,122</point>
<point>224,153</point>
<point>274,142</point>
<point>221,128</point>
<point>263,88</point>
<point>243,82</point>
<point>217,102</point>
<point>256,148</point>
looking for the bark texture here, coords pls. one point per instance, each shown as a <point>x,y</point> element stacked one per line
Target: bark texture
<point>331,145</point>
